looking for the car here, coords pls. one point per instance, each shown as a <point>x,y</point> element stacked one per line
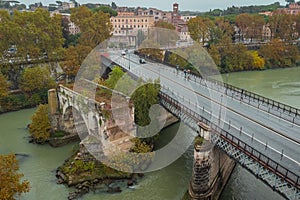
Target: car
<point>142,61</point>
<point>123,53</point>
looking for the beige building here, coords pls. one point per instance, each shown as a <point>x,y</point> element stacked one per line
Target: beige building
<point>293,9</point>
<point>187,18</point>
<point>129,24</point>
<point>72,28</point>
<point>153,12</point>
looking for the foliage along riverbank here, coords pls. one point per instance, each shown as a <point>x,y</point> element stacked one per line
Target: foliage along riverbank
<point>82,170</point>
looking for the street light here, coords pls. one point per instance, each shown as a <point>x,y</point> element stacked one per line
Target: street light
<point>129,61</point>
<point>220,110</point>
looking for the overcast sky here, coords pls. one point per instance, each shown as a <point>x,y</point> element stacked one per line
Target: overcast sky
<point>196,5</point>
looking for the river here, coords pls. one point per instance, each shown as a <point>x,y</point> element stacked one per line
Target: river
<point>169,183</point>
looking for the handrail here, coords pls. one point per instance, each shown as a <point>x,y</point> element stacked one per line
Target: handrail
<point>259,98</point>
<point>264,160</point>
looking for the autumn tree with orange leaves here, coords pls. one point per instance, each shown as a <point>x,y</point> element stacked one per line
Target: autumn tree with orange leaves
<point>10,180</point>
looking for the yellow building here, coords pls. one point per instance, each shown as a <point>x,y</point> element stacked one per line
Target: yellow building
<point>128,24</point>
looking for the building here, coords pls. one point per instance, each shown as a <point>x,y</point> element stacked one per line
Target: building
<point>293,9</point>
<point>158,15</point>
<point>72,28</point>
<point>129,24</point>
<point>266,33</point>
<point>180,24</point>
<point>187,18</point>
<point>66,6</point>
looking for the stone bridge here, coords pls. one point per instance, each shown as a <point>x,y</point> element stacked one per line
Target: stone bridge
<point>89,119</point>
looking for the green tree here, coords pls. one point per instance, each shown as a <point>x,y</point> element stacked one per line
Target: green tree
<point>140,146</point>
<point>279,54</point>
<point>290,1</point>
<point>3,86</point>
<point>234,57</point>
<point>10,179</point>
<point>37,33</point>
<point>143,98</point>
<point>40,126</point>
<point>95,27</point>
<point>178,57</point>
<point>163,24</point>
<point>114,76</point>
<point>74,57</point>
<point>106,9</point>
<point>199,28</point>
<point>36,79</point>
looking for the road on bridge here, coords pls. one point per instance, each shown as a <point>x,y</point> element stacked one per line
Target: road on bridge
<point>271,135</point>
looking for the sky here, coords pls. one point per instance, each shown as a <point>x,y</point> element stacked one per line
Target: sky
<point>194,5</point>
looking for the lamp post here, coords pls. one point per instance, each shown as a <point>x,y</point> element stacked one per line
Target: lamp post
<point>127,52</point>
<point>220,109</point>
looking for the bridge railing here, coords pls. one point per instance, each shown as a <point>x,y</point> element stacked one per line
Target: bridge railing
<point>264,160</point>
<point>287,109</point>
<point>259,98</point>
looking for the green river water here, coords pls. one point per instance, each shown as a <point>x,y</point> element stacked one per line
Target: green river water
<point>169,183</point>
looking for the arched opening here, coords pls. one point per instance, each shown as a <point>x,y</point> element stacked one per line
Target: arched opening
<point>73,122</point>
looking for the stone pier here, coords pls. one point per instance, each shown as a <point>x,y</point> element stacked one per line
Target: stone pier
<point>211,168</point>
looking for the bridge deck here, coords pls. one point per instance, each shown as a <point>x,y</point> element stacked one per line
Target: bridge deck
<point>260,124</point>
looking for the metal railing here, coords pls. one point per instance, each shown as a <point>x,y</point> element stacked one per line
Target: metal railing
<point>268,163</point>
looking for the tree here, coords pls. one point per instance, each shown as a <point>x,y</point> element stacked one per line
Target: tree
<point>143,98</point>
<point>114,5</point>
<point>163,24</point>
<point>279,54</point>
<point>40,126</point>
<point>10,184</point>
<point>120,81</point>
<point>37,33</point>
<point>114,76</point>
<point>233,57</point>
<point>35,80</point>
<point>250,26</point>
<point>178,57</point>
<point>95,27</point>
<point>3,86</point>
<point>74,57</point>
<point>290,1</point>
<point>283,26</point>
<point>106,9</point>
<point>199,28</point>
<point>258,62</point>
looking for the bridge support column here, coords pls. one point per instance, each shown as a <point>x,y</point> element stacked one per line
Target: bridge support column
<point>200,183</point>
<point>211,168</point>
<point>52,101</point>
